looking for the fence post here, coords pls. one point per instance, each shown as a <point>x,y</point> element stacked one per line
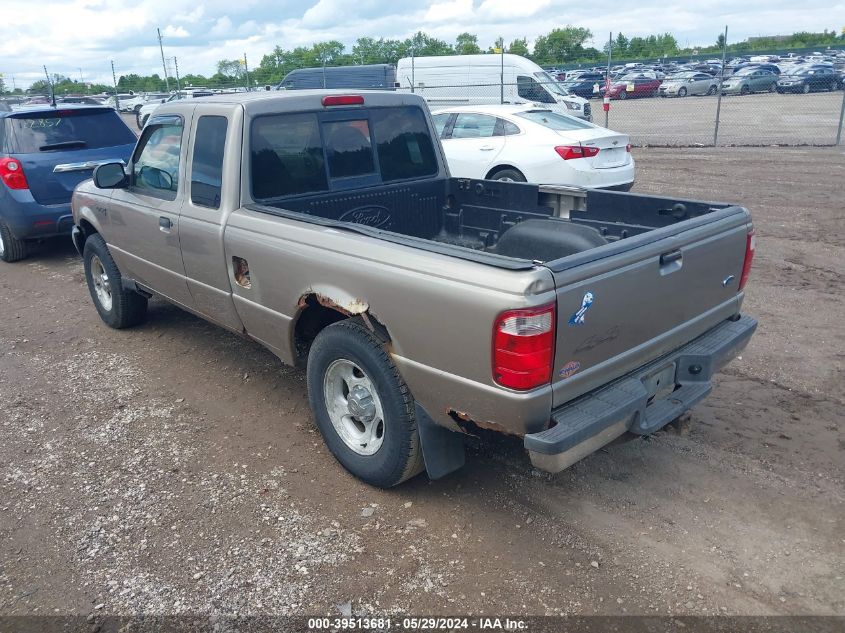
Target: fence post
<point>502,75</point>
<point>721,79</point>
<point>841,117</point>
<point>606,97</point>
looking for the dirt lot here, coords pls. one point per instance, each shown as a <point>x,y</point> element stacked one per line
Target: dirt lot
<point>175,468</point>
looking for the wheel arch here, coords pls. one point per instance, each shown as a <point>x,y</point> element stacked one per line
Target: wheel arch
<point>319,308</point>
<point>502,166</point>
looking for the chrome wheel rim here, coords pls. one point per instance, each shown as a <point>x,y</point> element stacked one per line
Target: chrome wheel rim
<point>102,284</point>
<point>505,179</point>
<point>354,407</point>
<point>2,246</point>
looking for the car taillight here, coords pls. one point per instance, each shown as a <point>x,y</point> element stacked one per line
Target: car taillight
<point>750,245</point>
<point>338,100</point>
<point>628,148</point>
<point>523,347</point>
<point>569,152</point>
<point>11,171</point>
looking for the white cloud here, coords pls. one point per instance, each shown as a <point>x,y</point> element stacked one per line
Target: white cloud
<point>175,31</point>
<point>450,10</point>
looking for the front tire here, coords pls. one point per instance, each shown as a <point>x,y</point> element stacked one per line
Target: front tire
<point>623,95</point>
<point>118,307</point>
<point>11,248</point>
<point>508,175</point>
<point>806,89</point>
<point>682,92</point>
<point>744,90</point>
<point>363,408</point>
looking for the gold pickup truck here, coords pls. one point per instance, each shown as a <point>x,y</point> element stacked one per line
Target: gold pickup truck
<point>326,227</point>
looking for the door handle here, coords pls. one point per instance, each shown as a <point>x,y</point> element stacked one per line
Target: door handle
<point>164,224</point>
<point>668,258</point>
<point>486,148</point>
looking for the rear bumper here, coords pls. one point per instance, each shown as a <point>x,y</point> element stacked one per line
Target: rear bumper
<point>595,419</point>
<point>28,219</point>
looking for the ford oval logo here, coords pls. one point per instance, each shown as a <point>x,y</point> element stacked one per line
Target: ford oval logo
<point>374,216</point>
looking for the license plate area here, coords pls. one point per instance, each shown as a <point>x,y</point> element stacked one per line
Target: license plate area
<point>660,383</point>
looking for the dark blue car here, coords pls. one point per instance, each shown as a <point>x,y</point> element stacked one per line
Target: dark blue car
<point>44,153</point>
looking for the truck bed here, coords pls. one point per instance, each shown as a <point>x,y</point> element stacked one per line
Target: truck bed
<point>469,219</point>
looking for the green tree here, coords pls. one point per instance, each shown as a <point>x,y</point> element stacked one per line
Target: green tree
<point>720,41</point>
<point>620,45</point>
<point>230,68</point>
<point>519,47</point>
<point>425,45</point>
<point>561,45</point>
<point>467,44</point>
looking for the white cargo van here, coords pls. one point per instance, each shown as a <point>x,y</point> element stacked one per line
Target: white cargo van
<point>451,80</point>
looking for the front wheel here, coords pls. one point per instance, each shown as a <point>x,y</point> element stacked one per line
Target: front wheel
<point>773,87</point>
<point>623,95</point>
<point>682,92</point>
<point>118,307</point>
<point>11,248</point>
<point>141,121</point>
<point>744,90</point>
<point>806,89</point>
<point>363,408</point>
<point>508,175</point>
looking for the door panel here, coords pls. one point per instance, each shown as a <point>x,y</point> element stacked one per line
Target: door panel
<point>144,217</point>
<point>473,146</point>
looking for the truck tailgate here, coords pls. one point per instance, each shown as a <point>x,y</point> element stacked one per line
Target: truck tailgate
<point>625,304</point>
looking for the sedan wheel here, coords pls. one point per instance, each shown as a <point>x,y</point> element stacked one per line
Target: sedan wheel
<point>744,90</point>
<point>806,88</point>
<point>773,87</point>
<point>682,92</point>
<point>623,94</point>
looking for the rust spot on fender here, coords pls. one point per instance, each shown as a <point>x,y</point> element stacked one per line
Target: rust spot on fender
<point>466,423</point>
<point>349,307</point>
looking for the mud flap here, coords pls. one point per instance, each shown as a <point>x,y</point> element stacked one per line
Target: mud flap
<point>443,450</point>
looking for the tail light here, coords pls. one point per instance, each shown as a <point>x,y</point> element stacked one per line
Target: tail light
<point>569,152</point>
<point>11,171</point>
<point>628,148</point>
<point>341,100</point>
<point>523,347</point>
<point>750,245</point>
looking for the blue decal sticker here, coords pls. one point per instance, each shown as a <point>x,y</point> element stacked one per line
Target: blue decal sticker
<point>578,317</point>
<point>569,369</point>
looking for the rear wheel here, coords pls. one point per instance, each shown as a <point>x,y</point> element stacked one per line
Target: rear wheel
<point>508,175</point>
<point>362,406</point>
<point>118,307</point>
<point>11,248</point>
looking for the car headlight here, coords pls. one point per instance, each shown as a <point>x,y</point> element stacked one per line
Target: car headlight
<point>572,106</point>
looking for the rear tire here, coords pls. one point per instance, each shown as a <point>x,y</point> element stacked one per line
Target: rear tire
<point>11,248</point>
<point>508,175</point>
<point>118,307</point>
<point>347,358</point>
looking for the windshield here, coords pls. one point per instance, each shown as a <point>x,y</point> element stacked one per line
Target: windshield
<point>554,121</point>
<point>797,72</point>
<point>67,129</point>
<point>551,84</point>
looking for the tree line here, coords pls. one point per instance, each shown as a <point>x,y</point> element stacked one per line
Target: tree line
<point>561,46</point>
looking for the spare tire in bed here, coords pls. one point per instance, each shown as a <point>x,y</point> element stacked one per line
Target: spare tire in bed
<point>547,240</point>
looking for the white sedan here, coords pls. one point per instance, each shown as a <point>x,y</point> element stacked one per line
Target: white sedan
<point>528,143</point>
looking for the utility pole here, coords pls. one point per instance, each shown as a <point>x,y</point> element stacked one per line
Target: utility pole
<point>176,68</point>
<point>163,65</point>
<point>721,79</point>
<point>52,89</point>
<point>116,96</point>
<point>82,81</point>
<point>246,72</point>
<point>502,69</point>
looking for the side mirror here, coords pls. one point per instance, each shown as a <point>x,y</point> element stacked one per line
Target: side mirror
<point>110,176</point>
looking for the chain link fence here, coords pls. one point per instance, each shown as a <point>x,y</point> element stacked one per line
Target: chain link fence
<point>762,116</point>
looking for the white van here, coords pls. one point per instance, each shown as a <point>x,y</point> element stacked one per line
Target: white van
<point>452,80</point>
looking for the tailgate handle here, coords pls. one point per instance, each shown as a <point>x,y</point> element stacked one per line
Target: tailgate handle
<point>668,258</point>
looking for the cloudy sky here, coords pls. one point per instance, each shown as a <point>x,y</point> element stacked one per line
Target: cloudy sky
<point>82,36</point>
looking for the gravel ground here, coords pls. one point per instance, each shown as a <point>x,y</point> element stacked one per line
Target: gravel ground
<point>175,468</point>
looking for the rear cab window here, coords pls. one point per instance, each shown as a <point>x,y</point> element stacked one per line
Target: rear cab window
<point>62,130</point>
<point>207,161</point>
<point>306,153</point>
